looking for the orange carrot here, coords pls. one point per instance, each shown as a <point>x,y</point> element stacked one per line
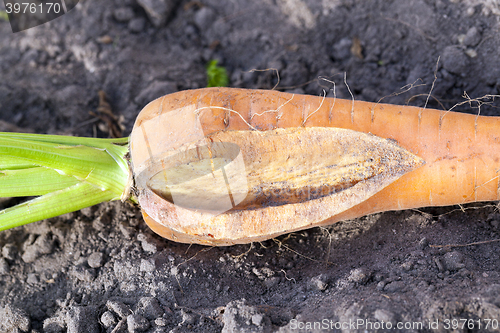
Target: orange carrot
<point>444,158</point>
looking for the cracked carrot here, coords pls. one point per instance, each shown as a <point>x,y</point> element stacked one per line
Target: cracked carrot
<point>223,166</point>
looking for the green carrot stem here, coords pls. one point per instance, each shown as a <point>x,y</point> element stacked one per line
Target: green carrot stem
<point>53,204</point>
<point>70,173</point>
<point>33,181</point>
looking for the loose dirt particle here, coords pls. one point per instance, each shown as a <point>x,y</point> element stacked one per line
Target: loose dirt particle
<point>96,260</point>
<point>137,323</point>
<point>121,309</point>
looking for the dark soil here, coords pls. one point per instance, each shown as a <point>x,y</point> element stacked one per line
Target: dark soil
<point>102,270</point>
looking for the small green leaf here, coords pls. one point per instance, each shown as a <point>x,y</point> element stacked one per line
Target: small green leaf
<point>217,75</point>
<point>4,16</point>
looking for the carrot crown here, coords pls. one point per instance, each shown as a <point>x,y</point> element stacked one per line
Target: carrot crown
<point>66,173</point>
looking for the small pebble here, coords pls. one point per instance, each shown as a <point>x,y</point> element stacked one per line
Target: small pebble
<point>147,265</point>
<point>204,18</point>
<point>123,14</point>
<point>394,286</point>
<point>107,319</point>
<point>472,37</point>
<point>9,252</point>
<point>83,319</point>
<point>343,284</point>
<point>359,275</point>
<point>30,254</point>
<point>121,309</point>
<point>407,265</point>
<point>240,317</point>
<point>150,308</point>
<point>137,25</point>
<point>471,53</point>
<point>32,278</point>
<point>161,322</point>
<point>126,230</point>
<point>4,267</point>
<point>44,244</point>
<point>439,264</point>
<point>257,319</point>
<point>423,243</point>
<point>453,260</point>
<point>137,323</point>
<point>95,260</point>
<point>83,273</point>
<point>148,243</point>
<point>188,317</point>
<point>319,282</point>
<point>128,287</point>
<point>158,10</point>
<point>454,60</point>
<point>87,211</point>
<point>125,270</point>
<point>342,49</point>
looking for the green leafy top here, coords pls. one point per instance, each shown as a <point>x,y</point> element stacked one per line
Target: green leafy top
<point>68,173</point>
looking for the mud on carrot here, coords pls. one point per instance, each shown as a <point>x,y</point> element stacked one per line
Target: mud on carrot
<point>222,166</point>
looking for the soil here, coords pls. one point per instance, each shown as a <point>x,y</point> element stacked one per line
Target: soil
<point>102,270</point>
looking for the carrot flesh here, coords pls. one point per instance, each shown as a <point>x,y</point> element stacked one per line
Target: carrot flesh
<point>461,151</point>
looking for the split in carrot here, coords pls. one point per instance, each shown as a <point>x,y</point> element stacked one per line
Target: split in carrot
<point>224,166</point>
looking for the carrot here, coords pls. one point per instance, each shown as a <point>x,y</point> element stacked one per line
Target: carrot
<point>223,166</point>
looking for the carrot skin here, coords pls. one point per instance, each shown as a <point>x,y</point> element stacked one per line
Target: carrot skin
<point>461,151</point>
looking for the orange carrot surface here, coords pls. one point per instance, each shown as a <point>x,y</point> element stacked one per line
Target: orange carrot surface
<point>391,158</point>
